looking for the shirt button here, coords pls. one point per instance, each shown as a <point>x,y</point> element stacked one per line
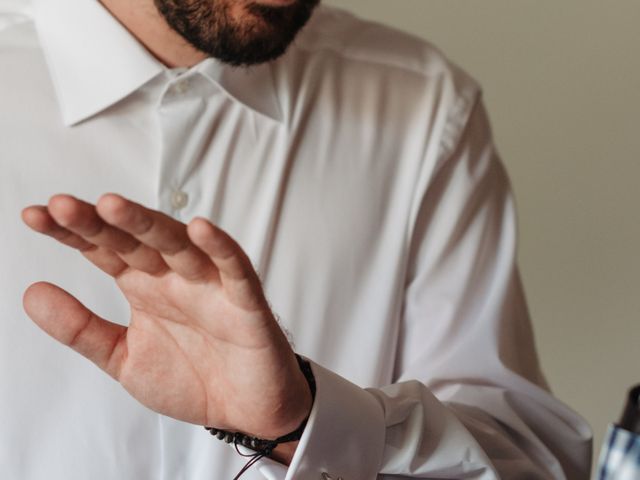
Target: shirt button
<point>179,200</point>
<point>181,86</point>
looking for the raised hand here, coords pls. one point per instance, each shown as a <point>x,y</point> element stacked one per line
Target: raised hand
<point>202,345</point>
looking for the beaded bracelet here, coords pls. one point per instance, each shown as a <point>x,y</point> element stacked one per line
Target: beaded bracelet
<point>262,447</point>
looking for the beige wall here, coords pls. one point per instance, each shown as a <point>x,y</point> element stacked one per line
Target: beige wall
<point>562,83</point>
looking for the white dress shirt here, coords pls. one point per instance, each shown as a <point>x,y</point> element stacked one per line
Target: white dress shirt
<point>359,174</point>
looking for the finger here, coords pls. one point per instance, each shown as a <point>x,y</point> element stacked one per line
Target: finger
<point>160,232</point>
<point>82,219</point>
<point>237,274</point>
<point>71,323</point>
<point>39,219</point>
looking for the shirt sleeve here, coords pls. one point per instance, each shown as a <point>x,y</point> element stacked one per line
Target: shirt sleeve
<point>469,400</point>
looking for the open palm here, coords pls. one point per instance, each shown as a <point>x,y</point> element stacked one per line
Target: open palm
<point>202,345</point>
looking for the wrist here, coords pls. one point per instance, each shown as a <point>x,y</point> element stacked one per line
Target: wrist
<point>294,410</point>
<point>284,453</point>
<point>280,446</point>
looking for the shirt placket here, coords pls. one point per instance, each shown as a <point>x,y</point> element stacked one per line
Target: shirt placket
<point>179,110</point>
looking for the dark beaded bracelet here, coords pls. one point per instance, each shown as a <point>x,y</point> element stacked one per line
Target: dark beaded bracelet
<point>261,446</point>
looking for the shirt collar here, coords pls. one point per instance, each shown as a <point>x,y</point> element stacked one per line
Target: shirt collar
<point>95,62</point>
<point>252,86</point>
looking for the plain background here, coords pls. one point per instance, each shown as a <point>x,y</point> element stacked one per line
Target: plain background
<point>561,80</point>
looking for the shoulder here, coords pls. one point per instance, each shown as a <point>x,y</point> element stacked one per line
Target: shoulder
<point>341,35</point>
<point>362,74</point>
<point>20,48</point>
<point>25,84</point>
<point>18,39</point>
<point>16,24</point>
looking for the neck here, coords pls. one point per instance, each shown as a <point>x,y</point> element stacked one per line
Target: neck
<point>142,19</point>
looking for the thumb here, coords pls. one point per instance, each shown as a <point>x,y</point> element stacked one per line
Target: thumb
<point>64,318</point>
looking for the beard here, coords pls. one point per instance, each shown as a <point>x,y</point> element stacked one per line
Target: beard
<point>236,32</point>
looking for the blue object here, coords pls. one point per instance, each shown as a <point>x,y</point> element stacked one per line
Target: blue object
<point>620,455</point>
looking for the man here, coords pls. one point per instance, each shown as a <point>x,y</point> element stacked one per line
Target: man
<point>346,181</point>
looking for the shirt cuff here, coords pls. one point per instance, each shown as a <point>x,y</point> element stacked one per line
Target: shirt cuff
<point>344,436</point>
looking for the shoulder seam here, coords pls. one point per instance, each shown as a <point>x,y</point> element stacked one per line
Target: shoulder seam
<point>364,59</point>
